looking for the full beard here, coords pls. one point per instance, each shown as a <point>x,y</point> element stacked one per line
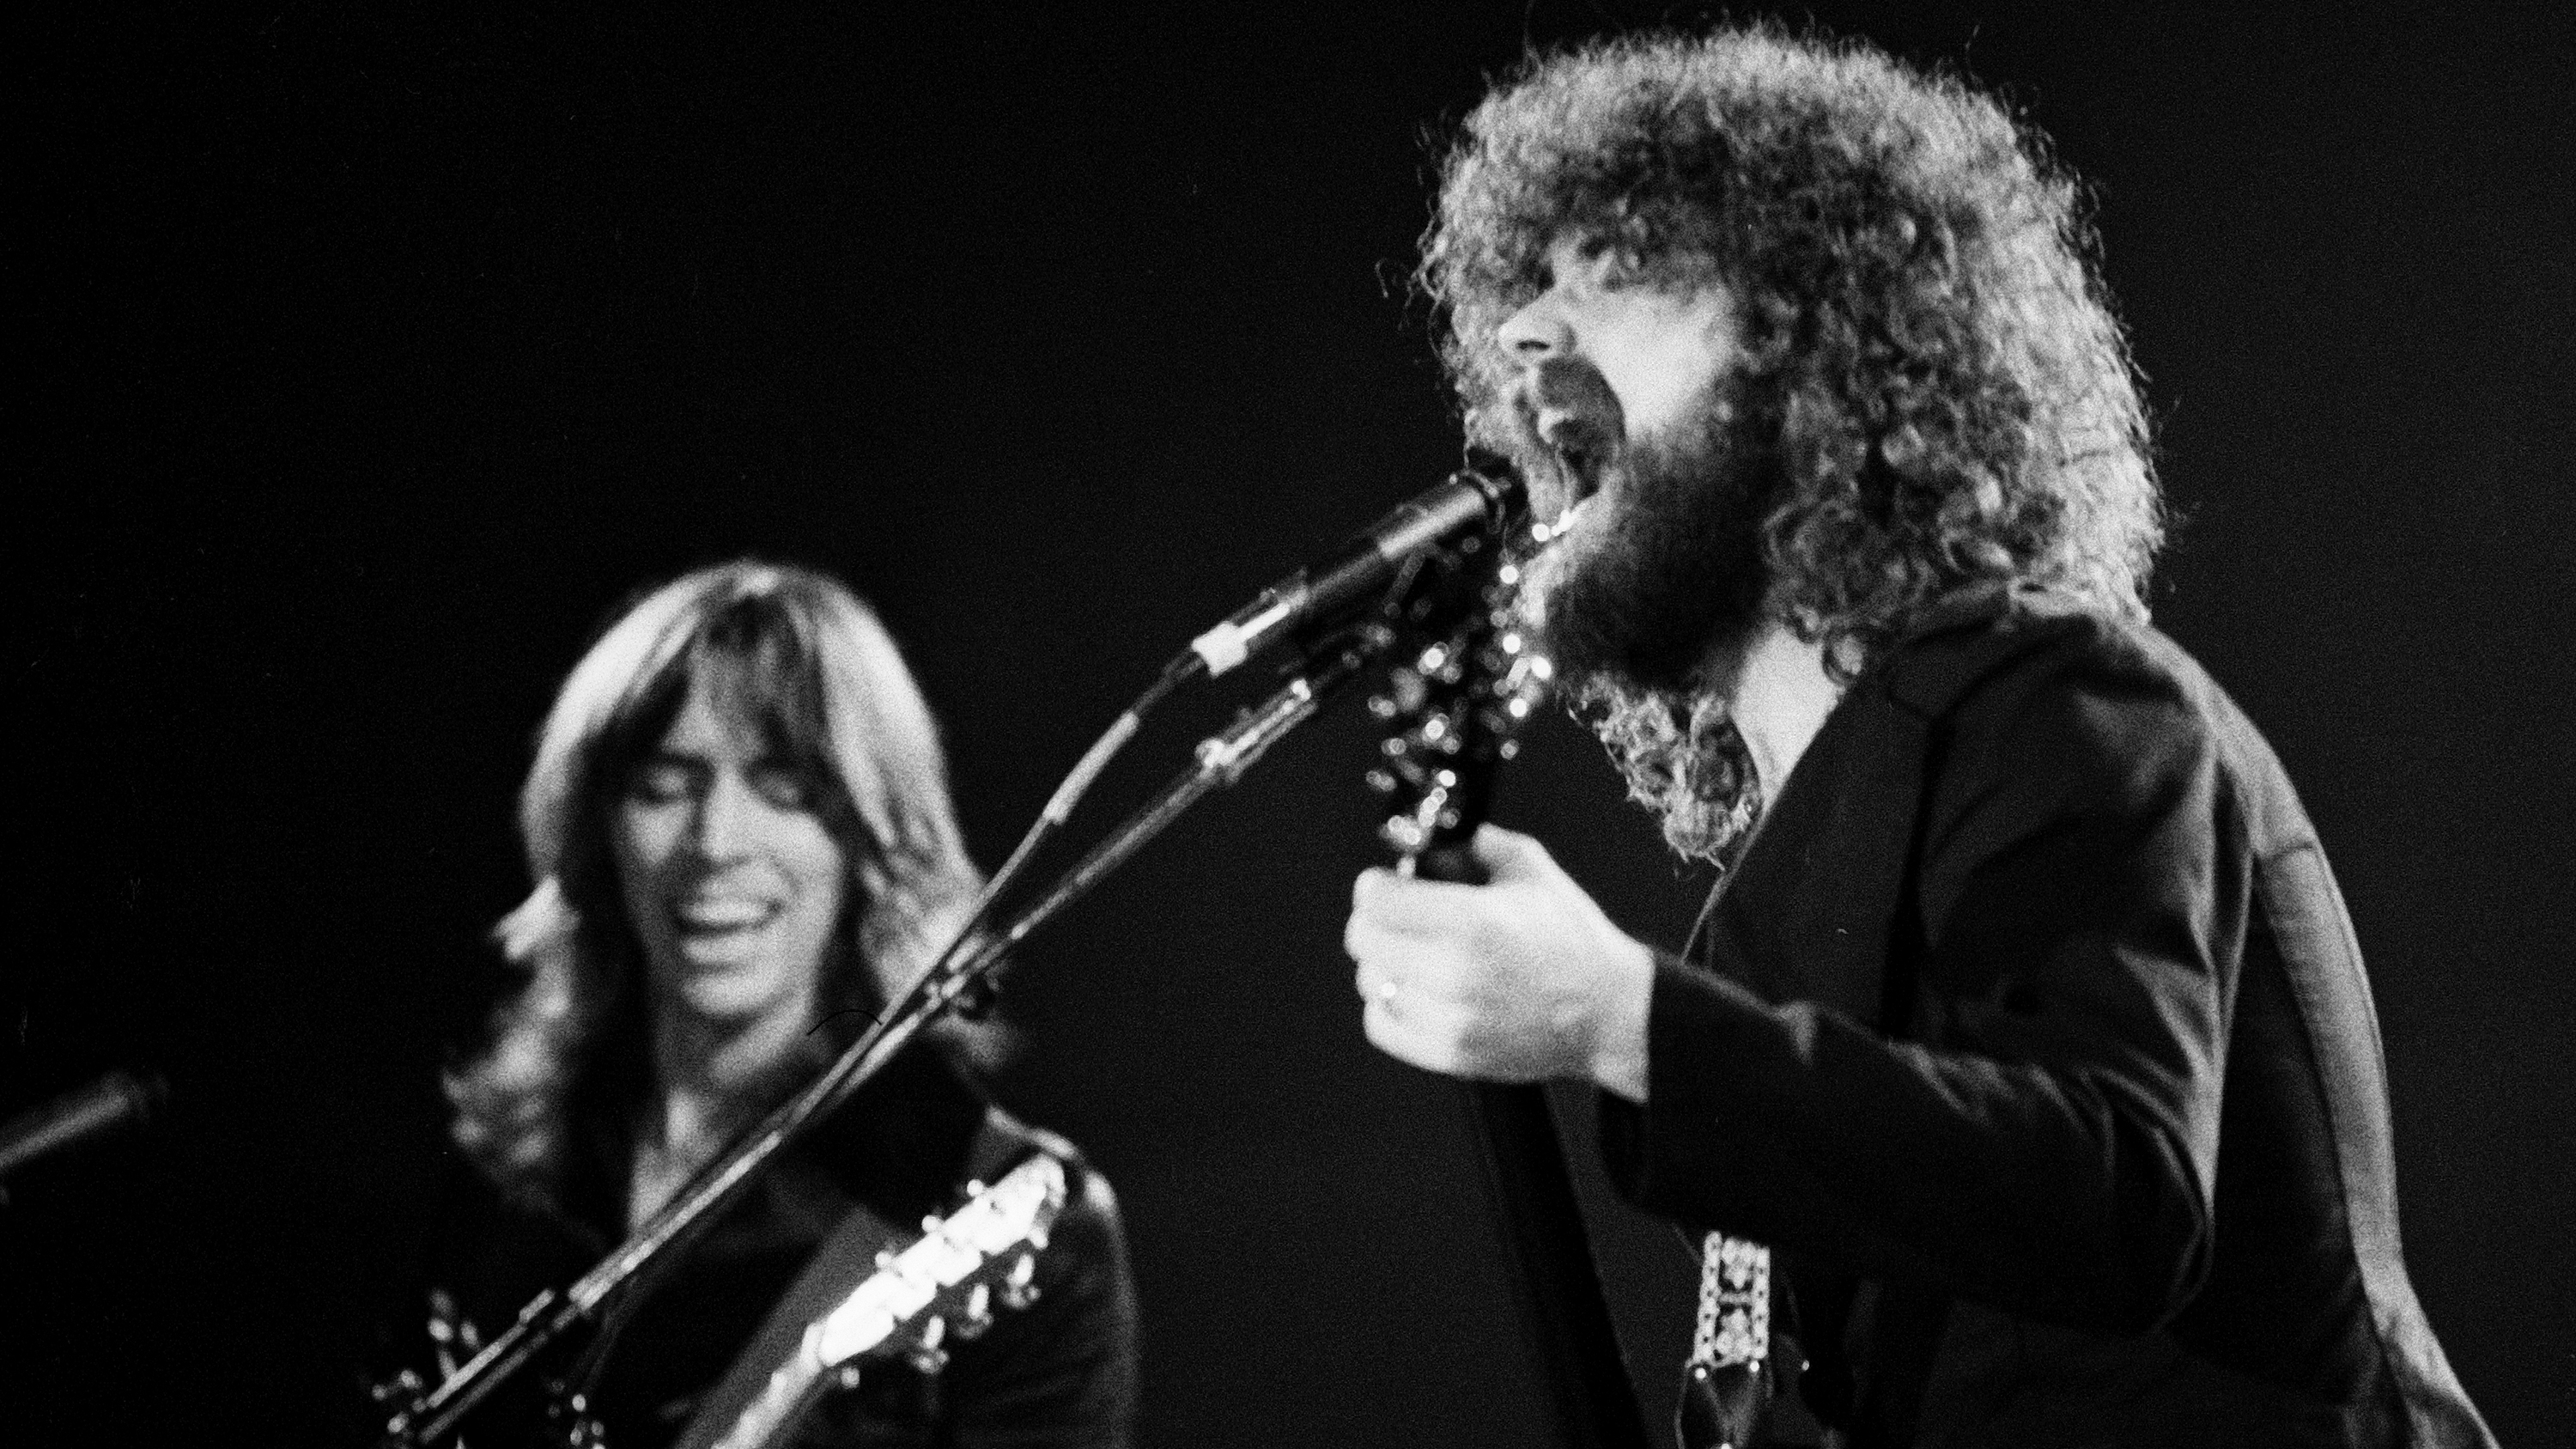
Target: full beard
<point>1663,593</point>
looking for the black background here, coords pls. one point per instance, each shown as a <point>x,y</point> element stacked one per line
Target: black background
<point>366,364</point>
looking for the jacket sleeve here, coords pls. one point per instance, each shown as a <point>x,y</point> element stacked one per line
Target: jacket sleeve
<point>2046,1141</point>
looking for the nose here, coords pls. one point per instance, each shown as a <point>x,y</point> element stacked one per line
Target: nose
<point>721,826</point>
<point>1536,332</point>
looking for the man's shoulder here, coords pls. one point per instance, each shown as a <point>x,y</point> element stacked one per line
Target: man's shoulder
<point>1083,1270</point>
<point>1004,1140</point>
<point>2008,640</point>
<point>2037,672</point>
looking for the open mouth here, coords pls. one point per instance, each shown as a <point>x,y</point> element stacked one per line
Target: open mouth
<point>1580,451</point>
<point>715,914</point>
<point>1575,419</point>
<point>1582,463</point>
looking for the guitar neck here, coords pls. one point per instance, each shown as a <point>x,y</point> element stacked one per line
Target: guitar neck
<point>1456,704</point>
<point>782,1403</point>
<point>1564,1314</point>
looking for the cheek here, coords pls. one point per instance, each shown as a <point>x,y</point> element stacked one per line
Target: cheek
<point>1669,355</point>
<point>821,872</point>
<point>643,843</point>
<point>1665,382</point>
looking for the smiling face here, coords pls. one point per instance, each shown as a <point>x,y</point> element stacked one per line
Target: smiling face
<point>732,882</point>
<point>1627,391</point>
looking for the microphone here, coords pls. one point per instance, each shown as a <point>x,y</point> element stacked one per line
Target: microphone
<point>1488,495</point>
<point>115,1100</point>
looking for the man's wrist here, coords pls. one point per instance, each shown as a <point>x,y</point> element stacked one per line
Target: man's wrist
<point>1627,994</point>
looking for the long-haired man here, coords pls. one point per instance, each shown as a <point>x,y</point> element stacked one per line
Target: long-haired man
<point>739,833</point>
<point>2027,1026</point>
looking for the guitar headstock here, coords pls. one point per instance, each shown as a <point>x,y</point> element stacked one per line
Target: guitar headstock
<point>945,1285</point>
<point>1454,702</point>
<point>948,1283</point>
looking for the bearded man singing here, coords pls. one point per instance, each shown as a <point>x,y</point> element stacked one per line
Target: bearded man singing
<point>2027,1025</point>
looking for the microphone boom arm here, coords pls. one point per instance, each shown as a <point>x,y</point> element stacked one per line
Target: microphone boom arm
<point>1222,759</point>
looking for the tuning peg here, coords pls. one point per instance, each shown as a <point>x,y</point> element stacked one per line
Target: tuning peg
<point>404,1388</point>
<point>573,1425</point>
<point>977,1315</point>
<point>585,1433</point>
<point>926,1353</point>
<point>1020,1285</point>
<point>974,1000</point>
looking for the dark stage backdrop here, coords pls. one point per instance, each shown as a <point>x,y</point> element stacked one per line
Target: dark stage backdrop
<point>364,364</point>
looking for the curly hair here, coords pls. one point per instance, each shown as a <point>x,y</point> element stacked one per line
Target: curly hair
<point>810,662</point>
<point>1926,336</point>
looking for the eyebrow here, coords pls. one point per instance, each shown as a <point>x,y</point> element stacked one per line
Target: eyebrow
<point>767,759</point>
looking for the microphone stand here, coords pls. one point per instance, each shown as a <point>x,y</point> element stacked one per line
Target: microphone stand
<point>964,973</point>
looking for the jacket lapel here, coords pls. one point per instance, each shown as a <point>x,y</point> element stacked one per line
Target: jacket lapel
<point>1821,907</point>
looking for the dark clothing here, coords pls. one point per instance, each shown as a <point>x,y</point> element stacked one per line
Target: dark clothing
<point>2032,1033</point>
<point>1059,1372</point>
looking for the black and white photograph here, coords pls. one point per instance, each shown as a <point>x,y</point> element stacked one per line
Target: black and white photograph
<point>1534,724</point>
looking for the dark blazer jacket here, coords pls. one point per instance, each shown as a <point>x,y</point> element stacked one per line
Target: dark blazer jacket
<point>2031,1031</point>
<point>1060,1372</point>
